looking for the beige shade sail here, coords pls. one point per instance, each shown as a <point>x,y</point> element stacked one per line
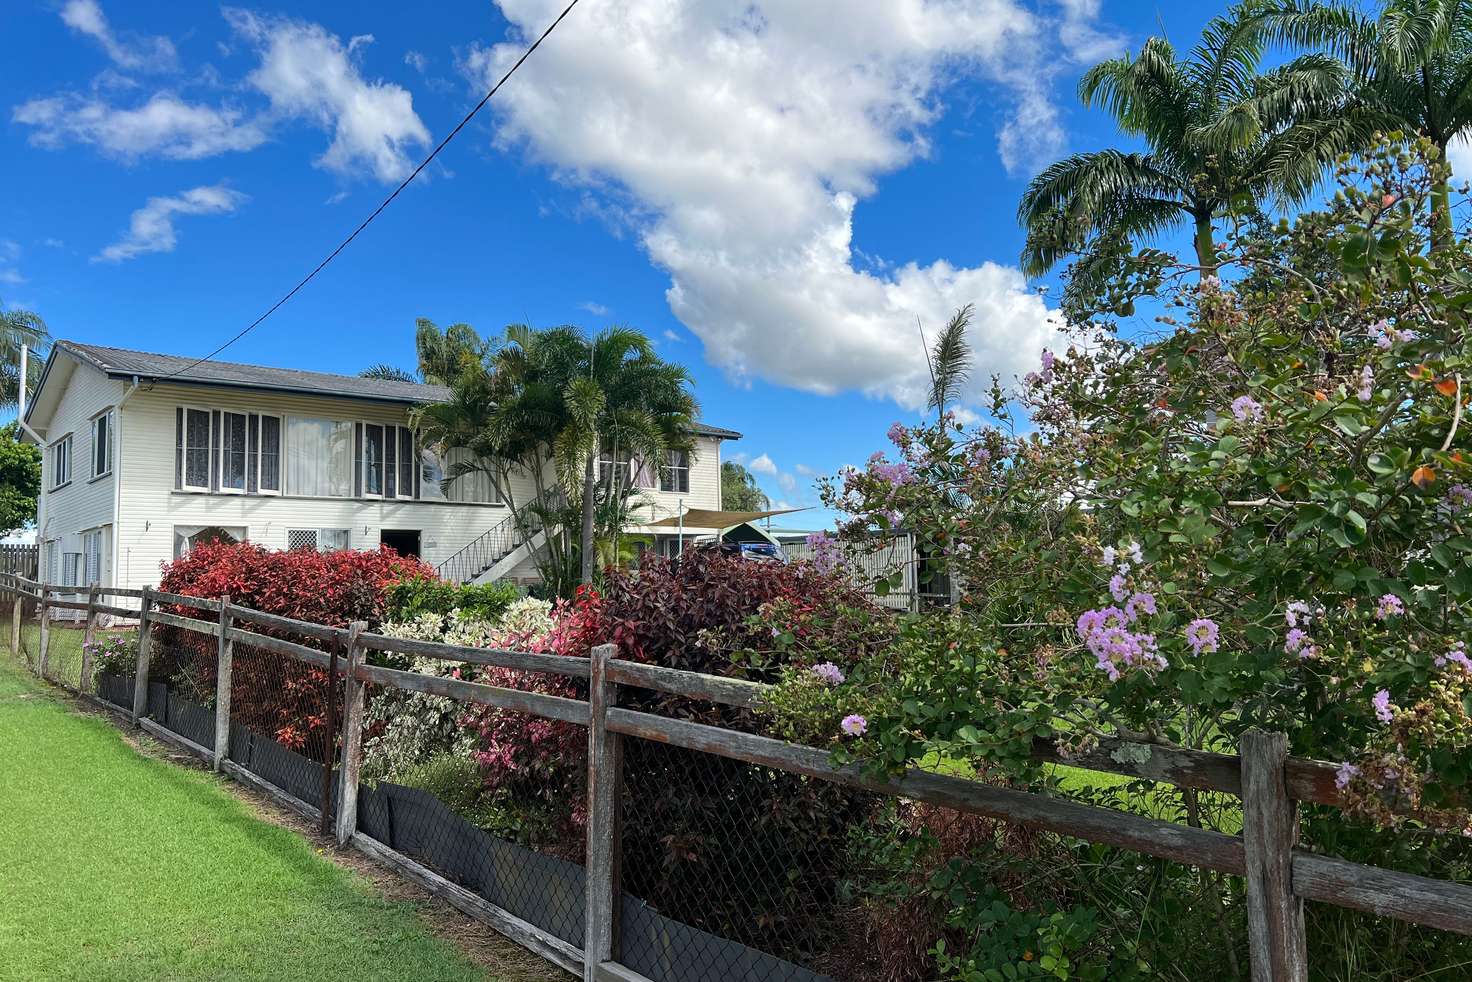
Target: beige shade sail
<point>705,518</point>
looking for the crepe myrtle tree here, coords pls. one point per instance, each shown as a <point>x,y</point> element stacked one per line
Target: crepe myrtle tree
<point>1259,515</point>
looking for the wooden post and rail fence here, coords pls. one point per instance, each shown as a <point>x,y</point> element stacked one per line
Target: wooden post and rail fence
<point>1279,875</point>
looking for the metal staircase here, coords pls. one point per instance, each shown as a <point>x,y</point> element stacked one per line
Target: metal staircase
<point>482,553</point>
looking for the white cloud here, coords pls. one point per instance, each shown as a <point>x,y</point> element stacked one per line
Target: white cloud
<point>1082,40</point>
<point>670,335</point>
<point>1459,155</point>
<point>165,126</point>
<point>53,243</point>
<point>764,465</point>
<point>740,140</point>
<point>9,255</point>
<point>308,73</point>
<point>151,228</point>
<point>416,61</point>
<point>594,308</point>
<point>149,53</point>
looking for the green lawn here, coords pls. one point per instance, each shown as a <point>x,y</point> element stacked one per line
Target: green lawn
<point>116,866</point>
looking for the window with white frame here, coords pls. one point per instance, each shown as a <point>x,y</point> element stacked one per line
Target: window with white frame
<point>468,482</point>
<point>675,474</point>
<point>373,459</point>
<point>102,444</point>
<point>193,433</point>
<point>71,569</point>
<point>322,540</point>
<point>319,457</point>
<point>92,546</point>
<point>61,462</point>
<point>234,451</point>
<point>611,466</point>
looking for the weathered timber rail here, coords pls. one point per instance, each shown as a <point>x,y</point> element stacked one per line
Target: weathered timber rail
<point>1280,876</point>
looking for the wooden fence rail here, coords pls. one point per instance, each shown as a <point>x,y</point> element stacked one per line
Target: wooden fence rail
<point>1279,875</point>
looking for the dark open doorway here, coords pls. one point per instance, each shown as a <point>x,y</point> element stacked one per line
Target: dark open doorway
<point>405,542</point>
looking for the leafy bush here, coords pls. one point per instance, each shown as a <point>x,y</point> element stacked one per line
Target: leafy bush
<point>113,654</point>
<point>272,694</point>
<point>412,597</point>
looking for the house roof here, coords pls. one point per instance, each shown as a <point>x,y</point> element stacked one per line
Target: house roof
<point>149,366</point>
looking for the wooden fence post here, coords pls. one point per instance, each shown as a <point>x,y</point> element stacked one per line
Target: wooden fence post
<point>223,666</point>
<point>89,638</point>
<point>605,763</point>
<point>45,633</point>
<point>145,653</point>
<point>1275,931</point>
<point>352,737</point>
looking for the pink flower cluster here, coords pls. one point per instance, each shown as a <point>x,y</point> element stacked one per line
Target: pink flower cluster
<point>826,552</point>
<point>1203,634</point>
<point>828,673</point>
<point>1385,336</point>
<point>1389,606</point>
<point>1114,645</point>
<point>1384,711</point>
<point>1456,655</point>
<point>854,725</point>
<point>1246,409</point>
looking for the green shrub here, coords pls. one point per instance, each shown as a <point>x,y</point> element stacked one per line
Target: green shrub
<point>412,598</point>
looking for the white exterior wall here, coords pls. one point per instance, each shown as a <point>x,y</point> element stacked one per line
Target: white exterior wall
<point>151,507</point>
<point>86,503</point>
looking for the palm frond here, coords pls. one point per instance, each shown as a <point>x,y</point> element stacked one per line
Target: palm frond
<point>950,360</point>
<point>384,372</point>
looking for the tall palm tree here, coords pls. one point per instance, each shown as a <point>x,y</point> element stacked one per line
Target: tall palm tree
<point>1411,68</point>
<point>17,328</point>
<point>441,354</point>
<point>1215,129</point>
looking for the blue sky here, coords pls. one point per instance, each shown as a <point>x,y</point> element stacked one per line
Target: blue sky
<point>774,195</point>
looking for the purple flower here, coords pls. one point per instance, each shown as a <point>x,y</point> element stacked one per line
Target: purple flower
<point>1109,555</point>
<point>1048,360</point>
<point>1295,641</point>
<point>1246,409</point>
<point>1202,635</point>
<point>1117,588</point>
<point>897,474</point>
<point>1032,378</point>
<point>854,725</point>
<point>1383,710</point>
<point>826,553</point>
<point>1385,336</point>
<point>1347,772</point>
<point>828,673</point>
<point>1133,551</point>
<point>980,457</point>
<point>1458,499</point>
<point>1140,602</point>
<point>898,435</point>
<point>1389,606</point>
<point>1456,655</point>
<point>1297,611</point>
<point>1366,390</point>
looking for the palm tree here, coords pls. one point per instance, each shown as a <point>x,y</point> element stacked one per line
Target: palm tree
<point>1215,129</point>
<point>17,328</point>
<point>558,395</point>
<point>384,372</point>
<point>1411,69</point>
<point>949,361</point>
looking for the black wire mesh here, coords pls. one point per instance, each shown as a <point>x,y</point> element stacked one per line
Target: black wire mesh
<point>449,784</point>
<point>730,870</point>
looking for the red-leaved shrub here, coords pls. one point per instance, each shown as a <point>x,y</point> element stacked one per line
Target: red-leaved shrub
<point>271,693</point>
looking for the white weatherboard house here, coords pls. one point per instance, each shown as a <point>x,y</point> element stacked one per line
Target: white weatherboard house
<point>145,452</point>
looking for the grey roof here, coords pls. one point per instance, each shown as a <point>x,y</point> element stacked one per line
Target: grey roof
<point>148,366</point>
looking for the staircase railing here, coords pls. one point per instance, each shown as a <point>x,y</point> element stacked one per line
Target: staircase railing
<point>497,542</point>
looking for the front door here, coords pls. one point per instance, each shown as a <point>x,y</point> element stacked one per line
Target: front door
<point>405,542</point>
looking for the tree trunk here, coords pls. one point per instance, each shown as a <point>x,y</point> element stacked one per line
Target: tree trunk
<point>1441,212</point>
<point>1205,246</point>
<point>588,558</point>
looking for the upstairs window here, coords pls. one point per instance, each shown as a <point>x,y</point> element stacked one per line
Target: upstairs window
<point>319,457</point>
<point>61,462</point>
<point>102,444</point>
<point>192,449</point>
<point>675,474</point>
<point>613,467</point>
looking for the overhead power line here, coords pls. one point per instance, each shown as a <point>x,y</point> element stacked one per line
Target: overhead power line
<point>382,205</point>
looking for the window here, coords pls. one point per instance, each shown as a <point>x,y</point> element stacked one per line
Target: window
<point>233,451</point>
<point>102,444</point>
<point>319,457</point>
<point>675,474</point>
<point>270,462</point>
<point>609,467</point>
<point>192,450</point>
<point>325,540</point>
<point>373,460</point>
<point>186,537</point>
<point>92,546</point>
<point>406,464</point>
<point>71,569</point>
<point>61,462</point>
<point>471,486</point>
